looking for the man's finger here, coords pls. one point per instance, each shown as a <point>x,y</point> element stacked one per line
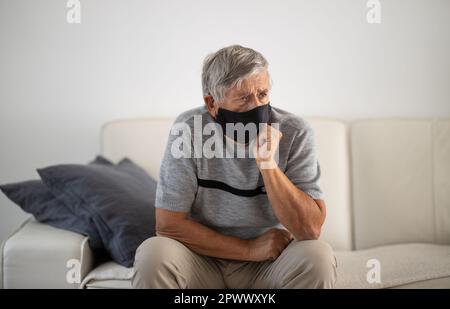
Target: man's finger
<point>288,234</point>
<point>269,137</point>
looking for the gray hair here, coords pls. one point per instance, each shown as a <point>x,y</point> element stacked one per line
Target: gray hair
<point>228,67</point>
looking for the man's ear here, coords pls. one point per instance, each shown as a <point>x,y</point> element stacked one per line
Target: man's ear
<point>210,105</point>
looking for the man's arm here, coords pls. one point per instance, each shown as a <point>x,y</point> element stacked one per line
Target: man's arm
<point>296,210</point>
<point>206,241</point>
<point>198,237</point>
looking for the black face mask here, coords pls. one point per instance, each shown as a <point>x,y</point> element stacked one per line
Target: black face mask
<point>260,114</point>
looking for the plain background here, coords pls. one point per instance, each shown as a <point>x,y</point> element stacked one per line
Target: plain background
<point>60,82</point>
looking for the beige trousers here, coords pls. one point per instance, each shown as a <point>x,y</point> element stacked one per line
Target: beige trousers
<point>163,262</point>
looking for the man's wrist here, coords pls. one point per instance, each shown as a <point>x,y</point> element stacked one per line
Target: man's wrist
<point>266,164</point>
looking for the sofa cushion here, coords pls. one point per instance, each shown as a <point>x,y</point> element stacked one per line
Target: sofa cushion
<point>441,179</point>
<point>333,155</point>
<point>400,181</point>
<point>438,283</point>
<point>120,200</point>
<point>399,265</point>
<point>141,140</point>
<point>392,182</point>
<point>108,275</point>
<point>35,198</point>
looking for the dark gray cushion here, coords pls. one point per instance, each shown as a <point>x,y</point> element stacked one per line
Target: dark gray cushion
<point>120,200</point>
<point>35,198</point>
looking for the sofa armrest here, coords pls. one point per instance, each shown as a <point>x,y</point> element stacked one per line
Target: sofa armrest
<point>40,256</point>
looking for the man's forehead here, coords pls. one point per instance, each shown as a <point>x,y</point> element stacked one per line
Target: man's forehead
<point>251,86</point>
<point>251,89</point>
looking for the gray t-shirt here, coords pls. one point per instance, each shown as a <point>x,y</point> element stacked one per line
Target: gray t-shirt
<point>227,194</point>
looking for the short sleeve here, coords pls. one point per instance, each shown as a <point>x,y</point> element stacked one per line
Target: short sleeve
<point>177,186</point>
<point>303,168</point>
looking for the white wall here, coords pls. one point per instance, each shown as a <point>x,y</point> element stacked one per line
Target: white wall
<point>60,82</point>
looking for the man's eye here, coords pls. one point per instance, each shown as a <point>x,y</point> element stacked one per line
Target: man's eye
<point>263,94</point>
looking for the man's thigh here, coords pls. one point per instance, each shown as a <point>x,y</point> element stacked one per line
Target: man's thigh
<point>162,262</point>
<point>302,264</point>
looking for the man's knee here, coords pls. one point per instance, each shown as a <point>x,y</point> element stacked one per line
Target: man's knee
<point>317,265</point>
<point>152,264</point>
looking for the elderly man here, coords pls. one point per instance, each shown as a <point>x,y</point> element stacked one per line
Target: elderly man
<point>232,221</point>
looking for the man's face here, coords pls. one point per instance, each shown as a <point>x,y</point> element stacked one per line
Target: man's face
<point>254,92</point>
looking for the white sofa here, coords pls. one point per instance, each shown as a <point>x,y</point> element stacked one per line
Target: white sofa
<point>387,185</point>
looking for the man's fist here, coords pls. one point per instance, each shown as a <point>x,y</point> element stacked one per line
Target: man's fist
<point>269,245</point>
<point>266,147</point>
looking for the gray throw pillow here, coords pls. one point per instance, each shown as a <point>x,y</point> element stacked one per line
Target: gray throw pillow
<point>119,199</point>
<point>35,198</point>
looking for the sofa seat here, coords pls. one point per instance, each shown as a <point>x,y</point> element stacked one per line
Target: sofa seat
<point>109,275</point>
<point>402,266</point>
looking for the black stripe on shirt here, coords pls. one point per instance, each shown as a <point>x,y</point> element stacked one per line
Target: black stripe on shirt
<point>214,184</point>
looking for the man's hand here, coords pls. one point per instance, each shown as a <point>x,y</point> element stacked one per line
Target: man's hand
<point>269,245</point>
<point>266,147</point>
